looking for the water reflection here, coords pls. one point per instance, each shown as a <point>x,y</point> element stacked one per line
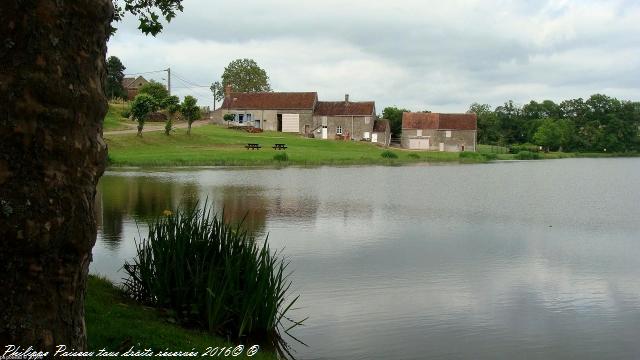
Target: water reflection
<point>506,260</point>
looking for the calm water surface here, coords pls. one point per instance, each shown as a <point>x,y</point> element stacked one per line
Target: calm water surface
<point>536,260</point>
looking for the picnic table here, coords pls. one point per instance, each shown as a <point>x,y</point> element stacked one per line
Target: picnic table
<point>253,146</point>
<point>279,146</point>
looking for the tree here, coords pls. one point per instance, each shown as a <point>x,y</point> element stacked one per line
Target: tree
<point>244,75</point>
<point>190,111</point>
<point>394,115</point>
<point>115,74</point>
<point>554,134</point>
<point>142,105</point>
<point>218,93</point>
<point>52,71</point>
<point>156,90</point>
<point>172,105</point>
<point>228,118</point>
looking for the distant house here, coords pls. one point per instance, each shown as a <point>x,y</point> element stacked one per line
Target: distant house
<point>344,119</point>
<point>276,111</point>
<point>381,132</point>
<point>132,86</point>
<point>439,132</point>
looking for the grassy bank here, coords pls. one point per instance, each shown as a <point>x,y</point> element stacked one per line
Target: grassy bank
<point>117,323</point>
<point>217,145</point>
<point>114,120</point>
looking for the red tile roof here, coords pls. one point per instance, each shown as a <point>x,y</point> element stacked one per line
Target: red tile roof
<point>271,100</point>
<point>437,121</point>
<point>344,108</point>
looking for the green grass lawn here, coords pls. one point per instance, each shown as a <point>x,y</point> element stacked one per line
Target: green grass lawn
<point>114,120</point>
<point>217,145</point>
<point>116,323</point>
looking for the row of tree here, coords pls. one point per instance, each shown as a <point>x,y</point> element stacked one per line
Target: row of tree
<point>153,96</point>
<point>600,123</point>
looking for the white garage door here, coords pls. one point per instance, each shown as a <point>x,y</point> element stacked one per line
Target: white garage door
<point>422,144</point>
<point>291,123</point>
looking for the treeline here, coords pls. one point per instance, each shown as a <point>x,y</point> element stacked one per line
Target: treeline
<point>600,123</point>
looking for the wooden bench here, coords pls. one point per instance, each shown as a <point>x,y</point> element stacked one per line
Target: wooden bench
<point>253,146</point>
<point>279,146</point>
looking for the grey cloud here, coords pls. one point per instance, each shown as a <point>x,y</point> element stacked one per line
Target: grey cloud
<point>443,55</point>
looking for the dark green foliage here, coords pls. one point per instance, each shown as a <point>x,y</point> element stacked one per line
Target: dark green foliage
<point>244,75</point>
<point>156,90</point>
<point>142,105</point>
<point>113,84</point>
<point>281,157</point>
<point>387,154</point>
<point>394,115</point>
<point>471,156</point>
<point>599,124</point>
<point>190,111</point>
<point>414,156</point>
<point>148,13</point>
<point>528,155</point>
<point>211,275</point>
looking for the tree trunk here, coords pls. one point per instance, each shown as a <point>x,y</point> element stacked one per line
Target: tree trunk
<point>189,130</point>
<point>52,104</point>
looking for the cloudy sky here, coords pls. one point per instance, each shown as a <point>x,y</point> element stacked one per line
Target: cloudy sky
<point>418,54</point>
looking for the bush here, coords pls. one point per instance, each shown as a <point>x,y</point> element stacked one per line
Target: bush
<point>471,156</point>
<point>387,154</point>
<point>281,157</point>
<point>211,275</point>
<point>414,156</point>
<point>527,155</point>
<point>516,148</point>
<point>126,112</point>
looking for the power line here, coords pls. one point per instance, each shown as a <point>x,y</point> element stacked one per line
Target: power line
<point>146,72</point>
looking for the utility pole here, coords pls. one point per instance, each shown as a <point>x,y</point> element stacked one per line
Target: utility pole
<point>168,80</point>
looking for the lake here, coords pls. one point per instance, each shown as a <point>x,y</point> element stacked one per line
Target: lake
<point>537,260</point>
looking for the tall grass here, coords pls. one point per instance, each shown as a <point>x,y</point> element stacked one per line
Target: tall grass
<point>213,275</point>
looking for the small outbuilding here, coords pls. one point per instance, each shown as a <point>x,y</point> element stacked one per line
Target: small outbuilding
<point>439,132</point>
<point>381,132</point>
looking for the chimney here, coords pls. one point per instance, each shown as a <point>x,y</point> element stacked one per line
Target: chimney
<point>346,97</point>
<point>227,90</point>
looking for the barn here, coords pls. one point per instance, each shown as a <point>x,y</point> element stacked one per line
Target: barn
<point>439,132</point>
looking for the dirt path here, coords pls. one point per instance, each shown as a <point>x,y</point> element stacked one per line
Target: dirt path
<point>154,127</point>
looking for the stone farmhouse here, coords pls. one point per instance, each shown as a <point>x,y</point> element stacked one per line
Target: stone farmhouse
<point>439,132</point>
<point>302,113</point>
<point>132,85</point>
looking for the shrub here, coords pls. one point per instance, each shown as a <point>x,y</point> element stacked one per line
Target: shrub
<point>414,156</point>
<point>471,156</point>
<point>527,155</point>
<point>281,157</point>
<point>211,275</point>
<point>387,154</point>
<point>126,112</point>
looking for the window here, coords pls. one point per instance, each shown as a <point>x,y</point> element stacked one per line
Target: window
<point>367,119</point>
<point>339,130</point>
<point>366,134</point>
<point>248,118</point>
<point>448,133</point>
<point>240,118</point>
<point>419,132</point>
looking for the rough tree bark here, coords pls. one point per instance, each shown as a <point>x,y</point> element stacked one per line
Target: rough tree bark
<point>52,67</point>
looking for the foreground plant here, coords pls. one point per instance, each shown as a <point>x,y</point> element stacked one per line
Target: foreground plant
<point>213,275</point>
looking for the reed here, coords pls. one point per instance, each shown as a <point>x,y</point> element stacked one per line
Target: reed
<point>213,275</point>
